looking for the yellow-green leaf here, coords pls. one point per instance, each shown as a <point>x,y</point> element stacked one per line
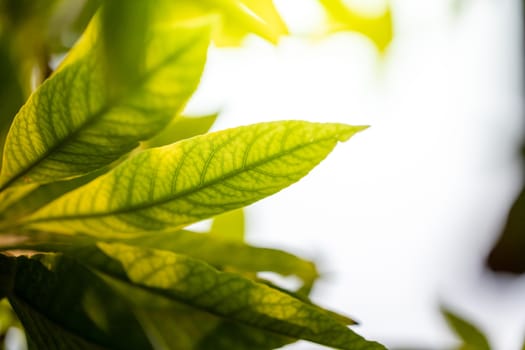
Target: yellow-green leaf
<point>229,226</point>
<point>173,186</point>
<point>235,18</point>
<point>227,295</point>
<point>80,119</point>
<point>230,255</point>
<point>19,201</point>
<point>378,28</point>
<point>180,128</point>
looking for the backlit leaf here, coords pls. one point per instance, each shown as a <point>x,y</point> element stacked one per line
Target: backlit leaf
<point>19,201</point>
<point>236,18</point>
<point>229,255</point>
<point>180,128</point>
<point>229,225</point>
<point>170,187</point>
<point>171,325</point>
<point>229,295</point>
<point>80,120</point>
<point>378,28</point>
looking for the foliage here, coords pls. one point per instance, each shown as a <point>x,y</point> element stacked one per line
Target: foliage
<point>101,174</point>
<point>471,337</point>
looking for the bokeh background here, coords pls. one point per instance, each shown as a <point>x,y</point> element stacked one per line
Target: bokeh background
<point>401,218</point>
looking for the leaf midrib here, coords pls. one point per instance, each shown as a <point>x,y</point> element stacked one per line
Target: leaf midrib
<point>110,103</point>
<point>181,194</point>
<point>188,301</point>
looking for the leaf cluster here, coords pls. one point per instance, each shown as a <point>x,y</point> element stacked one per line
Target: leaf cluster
<point>101,175</point>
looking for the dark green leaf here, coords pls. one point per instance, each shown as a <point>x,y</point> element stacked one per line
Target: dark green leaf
<point>51,293</point>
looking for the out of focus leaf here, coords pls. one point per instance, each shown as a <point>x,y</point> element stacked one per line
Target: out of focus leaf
<point>180,128</point>
<point>508,252</point>
<point>11,89</point>
<point>229,255</point>
<point>19,201</point>
<point>379,29</point>
<point>229,226</point>
<point>472,338</point>
<point>7,318</point>
<point>233,336</point>
<point>236,18</point>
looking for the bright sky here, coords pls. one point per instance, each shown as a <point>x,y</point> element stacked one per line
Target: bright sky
<point>400,217</point>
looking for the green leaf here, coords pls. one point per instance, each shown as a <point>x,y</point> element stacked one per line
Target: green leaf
<point>19,201</point>
<point>80,119</point>
<point>472,337</point>
<point>229,255</point>
<point>13,195</point>
<point>229,226</point>
<point>181,128</point>
<point>63,305</point>
<point>228,295</point>
<point>171,325</point>
<point>224,255</point>
<point>235,18</point>
<point>379,29</point>
<point>234,336</point>
<point>173,186</point>
<point>11,89</point>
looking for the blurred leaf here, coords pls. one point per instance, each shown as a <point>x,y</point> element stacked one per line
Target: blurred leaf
<point>229,254</point>
<point>86,122</point>
<point>379,29</point>
<point>63,305</point>
<point>7,318</point>
<point>236,18</point>
<point>229,226</point>
<point>472,337</point>
<point>228,295</point>
<point>173,186</point>
<point>233,336</point>
<point>12,195</point>
<point>181,128</point>
<point>224,255</point>
<point>11,90</point>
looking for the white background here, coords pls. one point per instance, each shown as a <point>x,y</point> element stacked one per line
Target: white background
<point>399,218</point>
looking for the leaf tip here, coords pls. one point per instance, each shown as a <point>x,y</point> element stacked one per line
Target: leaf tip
<point>347,131</point>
